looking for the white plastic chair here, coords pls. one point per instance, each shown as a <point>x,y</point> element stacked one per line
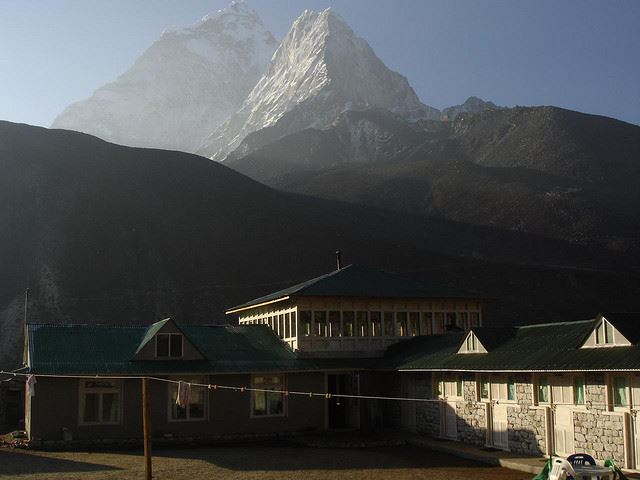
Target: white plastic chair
<point>561,470</point>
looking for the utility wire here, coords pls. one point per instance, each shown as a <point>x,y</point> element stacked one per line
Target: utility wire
<point>285,392</point>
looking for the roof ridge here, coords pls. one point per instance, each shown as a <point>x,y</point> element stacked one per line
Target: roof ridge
<point>548,324</point>
<point>103,325</point>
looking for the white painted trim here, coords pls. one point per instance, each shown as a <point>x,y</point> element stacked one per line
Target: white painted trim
<point>256,305</point>
<point>285,403</point>
<point>81,404</point>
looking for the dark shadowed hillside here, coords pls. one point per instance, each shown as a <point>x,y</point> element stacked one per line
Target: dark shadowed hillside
<point>543,170</point>
<point>107,234</point>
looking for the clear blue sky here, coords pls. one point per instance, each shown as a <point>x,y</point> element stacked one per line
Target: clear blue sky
<point>578,54</point>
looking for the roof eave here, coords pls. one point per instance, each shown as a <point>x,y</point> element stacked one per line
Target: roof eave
<point>241,308</point>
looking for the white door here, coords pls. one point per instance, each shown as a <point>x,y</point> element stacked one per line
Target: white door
<point>563,432</point>
<point>448,420</point>
<point>499,426</point>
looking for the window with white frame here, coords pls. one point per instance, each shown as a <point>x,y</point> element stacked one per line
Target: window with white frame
<point>562,390</point>
<point>496,387</point>
<point>100,402</point>
<point>196,407</point>
<point>269,403</point>
<point>503,388</point>
<point>449,386</point>
<point>169,345</point>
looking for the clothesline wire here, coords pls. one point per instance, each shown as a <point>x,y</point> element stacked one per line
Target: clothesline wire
<point>209,386</point>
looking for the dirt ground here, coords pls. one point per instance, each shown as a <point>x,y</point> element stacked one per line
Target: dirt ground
<point>252,462</point>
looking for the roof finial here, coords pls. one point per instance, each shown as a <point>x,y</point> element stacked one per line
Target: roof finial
<point>338,259</point>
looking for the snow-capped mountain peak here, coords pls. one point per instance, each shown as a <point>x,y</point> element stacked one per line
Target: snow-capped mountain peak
<point>183,86</point>
<point>321,69</point>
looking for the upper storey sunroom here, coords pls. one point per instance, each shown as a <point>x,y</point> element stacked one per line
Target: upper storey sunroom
<point>359,311</point>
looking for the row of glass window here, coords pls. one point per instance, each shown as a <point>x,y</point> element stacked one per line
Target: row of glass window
<point>284,324</point>
<point>563,390</point>
<point>100,400</point>
<point>362,323</point>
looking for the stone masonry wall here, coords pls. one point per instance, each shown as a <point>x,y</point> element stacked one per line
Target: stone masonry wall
<point>427,413</point>
<point>472,418</point>
<point>597,431</point>
<point>526,423</point>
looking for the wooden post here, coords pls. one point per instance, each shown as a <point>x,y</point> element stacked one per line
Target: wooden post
<point>146,425</point>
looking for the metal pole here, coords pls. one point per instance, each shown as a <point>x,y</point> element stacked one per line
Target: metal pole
<point>25,329</point>
<point>146,425</point>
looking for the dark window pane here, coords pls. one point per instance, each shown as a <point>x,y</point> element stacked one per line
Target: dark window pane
<point>414,324</point>
<point>305,323</point>
<point>110,407</point>
<point>91,407</point>
<point>197,404</point>
<point>320,319</point>
<point>259,403</point>
<point>176,345</point>
<point>388,324</point>
<point>334,324</point>
<point>162,345</point>
<point>363,326</point>
<point>275,404</point>
<point>347,323</point>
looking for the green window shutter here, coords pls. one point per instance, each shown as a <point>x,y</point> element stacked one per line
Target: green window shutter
<point>543,390</point>
<point>511,389</point>
<point>620,391</point>
<point>484,387</point>
<point>578,391</point>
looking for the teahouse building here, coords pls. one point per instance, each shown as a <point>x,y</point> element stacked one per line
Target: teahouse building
<point>355,311</point>
<point>541,389</point>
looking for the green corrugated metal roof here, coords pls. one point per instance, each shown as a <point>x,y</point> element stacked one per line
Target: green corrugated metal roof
<point>355,281</point>
<point>548,347</point>
<point>89,349</point>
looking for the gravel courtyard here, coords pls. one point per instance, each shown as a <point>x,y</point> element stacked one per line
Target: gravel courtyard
<point>251,462</point>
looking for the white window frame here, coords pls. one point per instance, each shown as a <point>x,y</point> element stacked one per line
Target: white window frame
<point>173,388</point>
<point>169,335</point>
<point>83,390</point>
<point>283,379</point>
<point>449,384</point>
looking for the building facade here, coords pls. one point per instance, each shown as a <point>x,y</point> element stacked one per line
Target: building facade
<point>357,311</point>
<point>328,354</point>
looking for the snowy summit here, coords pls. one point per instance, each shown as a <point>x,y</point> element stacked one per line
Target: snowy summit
<point>181,88</point>
<point>320,70</point>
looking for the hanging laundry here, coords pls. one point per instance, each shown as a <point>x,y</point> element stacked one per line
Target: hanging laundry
<point>31,385</point>
<point>184,394</point>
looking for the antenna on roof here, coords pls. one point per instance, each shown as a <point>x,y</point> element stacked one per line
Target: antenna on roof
<point>25,329</point>
<point>338,259</point>
<point>26,305</point>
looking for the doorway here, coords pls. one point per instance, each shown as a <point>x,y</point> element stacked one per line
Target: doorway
<point>343,413</point>
<point>500,426</point>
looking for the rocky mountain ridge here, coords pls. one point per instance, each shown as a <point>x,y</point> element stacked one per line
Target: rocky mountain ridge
<point>321,69</point>
<point>182,87</point>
